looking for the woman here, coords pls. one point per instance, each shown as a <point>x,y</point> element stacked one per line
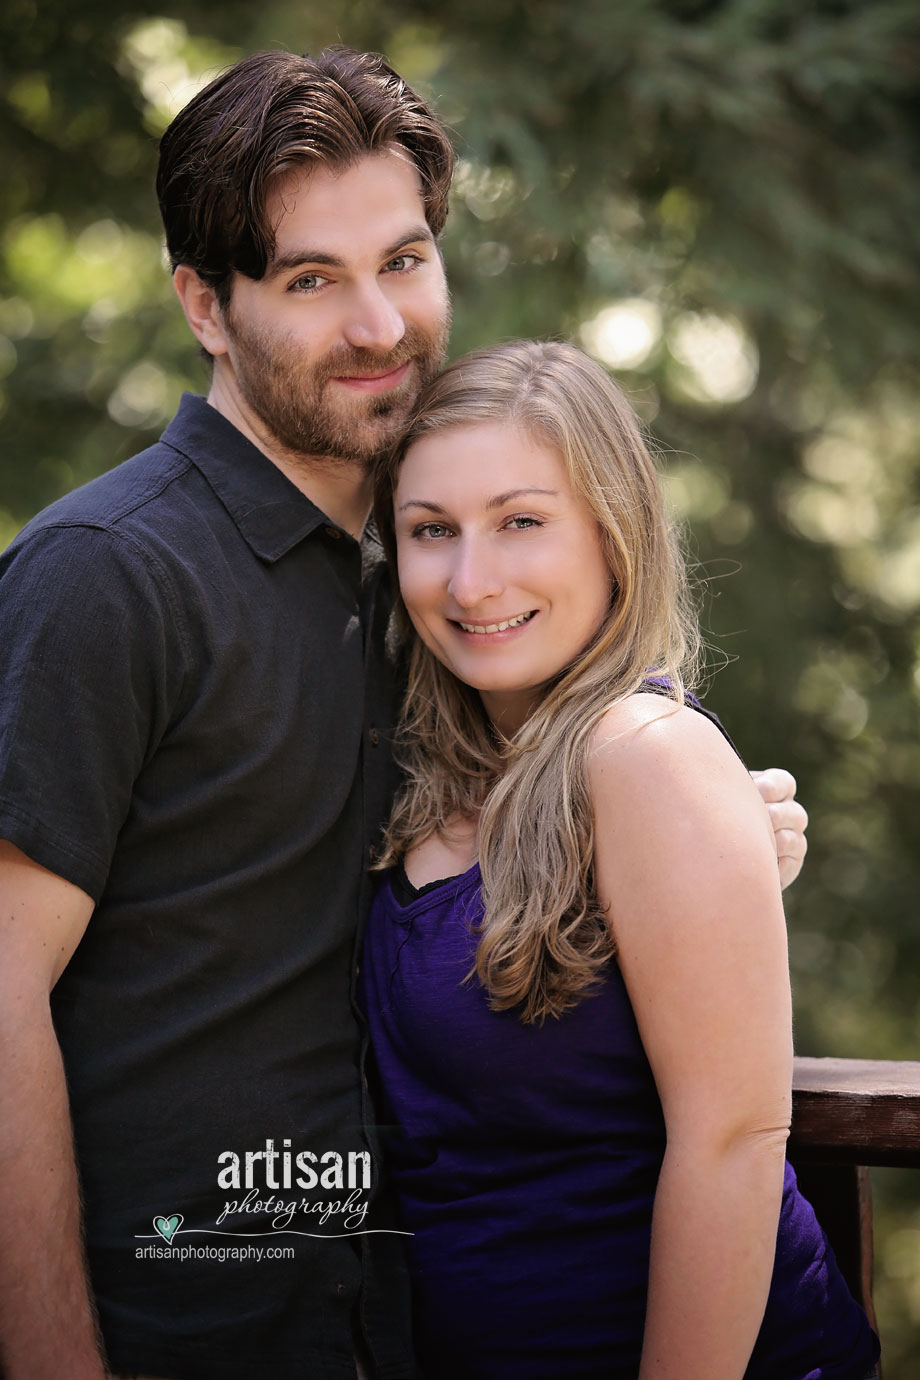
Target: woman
<point>583,1033</point>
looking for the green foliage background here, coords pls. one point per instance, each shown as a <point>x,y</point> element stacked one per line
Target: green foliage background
<point>743,175</point>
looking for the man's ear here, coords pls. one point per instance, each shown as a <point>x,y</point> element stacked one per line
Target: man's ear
<point>202,310</point>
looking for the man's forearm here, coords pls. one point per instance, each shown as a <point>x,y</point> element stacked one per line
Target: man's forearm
<point>47,1320</point>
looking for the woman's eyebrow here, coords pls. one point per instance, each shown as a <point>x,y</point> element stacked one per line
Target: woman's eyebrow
<point>420,503</point>
<point>500,500</point>
<point>497,501</point>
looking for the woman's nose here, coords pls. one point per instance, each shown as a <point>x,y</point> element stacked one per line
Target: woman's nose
<point>475,574</point>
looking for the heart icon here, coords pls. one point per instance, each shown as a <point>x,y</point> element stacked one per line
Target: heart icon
<point>168,1226</point>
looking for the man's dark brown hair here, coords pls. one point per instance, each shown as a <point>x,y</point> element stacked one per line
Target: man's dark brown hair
<point>266,114</point>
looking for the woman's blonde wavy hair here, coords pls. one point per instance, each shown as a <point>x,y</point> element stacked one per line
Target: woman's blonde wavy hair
<point>544,939</point>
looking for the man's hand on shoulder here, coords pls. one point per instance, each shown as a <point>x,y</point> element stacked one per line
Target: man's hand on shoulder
<point>788,817</point>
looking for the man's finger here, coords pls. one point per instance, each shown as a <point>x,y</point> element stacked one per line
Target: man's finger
<point>774,784</point>
<point>788,815</point>
<point>791,843</point>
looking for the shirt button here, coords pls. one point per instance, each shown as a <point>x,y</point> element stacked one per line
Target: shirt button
<point>333,532</point>
<point>375,737</point>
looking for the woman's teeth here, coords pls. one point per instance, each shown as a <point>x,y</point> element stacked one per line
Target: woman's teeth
<point>497,627</point>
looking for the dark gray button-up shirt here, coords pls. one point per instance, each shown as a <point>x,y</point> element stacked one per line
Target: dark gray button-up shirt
<point>194,707</point>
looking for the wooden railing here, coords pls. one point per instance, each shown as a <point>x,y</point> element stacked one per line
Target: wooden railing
<point>849,1114</point>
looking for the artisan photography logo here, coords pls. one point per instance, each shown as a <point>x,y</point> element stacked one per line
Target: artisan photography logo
<point>270,1193</point>
<point>168,1226</point>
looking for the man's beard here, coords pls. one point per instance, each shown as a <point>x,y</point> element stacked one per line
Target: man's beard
<point>293,401</point>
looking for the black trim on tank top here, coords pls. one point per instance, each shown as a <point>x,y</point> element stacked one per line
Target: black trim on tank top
<point>406,893</point>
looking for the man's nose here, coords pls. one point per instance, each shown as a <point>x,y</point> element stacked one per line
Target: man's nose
<point>373,323</point>
<point>475,574</point>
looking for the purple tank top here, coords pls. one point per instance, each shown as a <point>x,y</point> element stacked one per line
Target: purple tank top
<point>525,1160</point>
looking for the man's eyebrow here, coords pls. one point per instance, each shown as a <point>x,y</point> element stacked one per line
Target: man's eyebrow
<point>498,501</point>
<point>299,258</point>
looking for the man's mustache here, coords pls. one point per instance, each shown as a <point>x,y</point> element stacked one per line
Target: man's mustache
<point>349,361</point>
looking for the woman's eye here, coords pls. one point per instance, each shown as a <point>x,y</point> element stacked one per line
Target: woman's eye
<point>431,530</point>
<point>521,524</point>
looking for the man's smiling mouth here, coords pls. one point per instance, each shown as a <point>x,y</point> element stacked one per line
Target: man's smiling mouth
<point>375,382</point>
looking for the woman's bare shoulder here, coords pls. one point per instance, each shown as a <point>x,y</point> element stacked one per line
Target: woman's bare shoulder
<point>655,766</point>
<point>647,727</point>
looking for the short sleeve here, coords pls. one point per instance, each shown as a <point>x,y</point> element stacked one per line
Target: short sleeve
<point>89,660</point>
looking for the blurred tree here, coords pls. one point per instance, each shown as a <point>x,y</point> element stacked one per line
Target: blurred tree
<point>720,199</point>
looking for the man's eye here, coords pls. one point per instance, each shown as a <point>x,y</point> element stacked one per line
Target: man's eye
<point>308,282</point>
<point>403,263</point>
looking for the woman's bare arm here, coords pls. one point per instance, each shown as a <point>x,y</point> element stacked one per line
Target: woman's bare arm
<point>685,862</point>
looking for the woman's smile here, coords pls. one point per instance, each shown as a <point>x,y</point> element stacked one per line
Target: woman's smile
<point>506,624</point>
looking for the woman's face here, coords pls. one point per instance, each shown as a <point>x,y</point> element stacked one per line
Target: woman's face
<point>501,564</point>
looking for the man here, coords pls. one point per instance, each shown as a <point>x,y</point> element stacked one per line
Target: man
<point>195,696</point>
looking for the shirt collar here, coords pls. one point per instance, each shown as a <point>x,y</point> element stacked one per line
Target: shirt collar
<point>270,512</point>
